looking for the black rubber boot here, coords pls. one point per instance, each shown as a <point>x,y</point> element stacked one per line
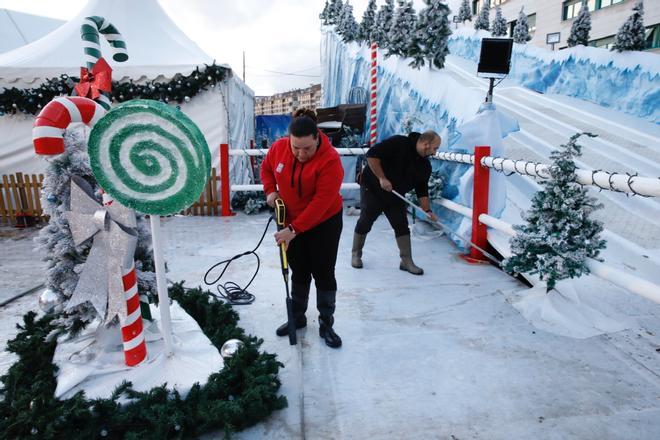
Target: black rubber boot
<point>300,296</point>
<point>326,331</point>
<point>325,302</point>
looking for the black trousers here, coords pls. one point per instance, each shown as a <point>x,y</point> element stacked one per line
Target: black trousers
<point>313,253</point>
<point>372,206</point>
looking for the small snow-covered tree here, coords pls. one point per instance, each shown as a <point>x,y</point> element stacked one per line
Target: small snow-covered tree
<point>63,259</point>
<point>347,27</point>
<point>499,28</point>
<point>482,21</point>
<point>334,11</point>
<point>559,234</point>
<point>367,24</point>
<point>581,27</point>
<point>631,35</point>
<point>465,12</point>
<point>521,29</point>
<point>325,14</point>
<point>429,41</point>
<point>404,25</point>
<point>383,24</point>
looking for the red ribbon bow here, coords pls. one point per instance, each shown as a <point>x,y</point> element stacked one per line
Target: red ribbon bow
<point>93,83</point>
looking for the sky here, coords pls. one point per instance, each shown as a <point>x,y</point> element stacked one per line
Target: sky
<point>281,38</point>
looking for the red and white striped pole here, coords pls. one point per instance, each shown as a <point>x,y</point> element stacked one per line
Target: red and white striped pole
<point>480,186</point>
<point>132,333</point>
<point>373,114</point>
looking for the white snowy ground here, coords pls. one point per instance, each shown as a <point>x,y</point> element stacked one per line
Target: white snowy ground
<point>436,356</point>
<point>19,261</point>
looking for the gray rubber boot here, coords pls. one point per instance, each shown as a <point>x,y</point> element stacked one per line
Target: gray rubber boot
<point>405,251</point>
<point>356,253</point>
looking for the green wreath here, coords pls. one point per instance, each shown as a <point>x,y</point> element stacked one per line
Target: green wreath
<point>240,395</point>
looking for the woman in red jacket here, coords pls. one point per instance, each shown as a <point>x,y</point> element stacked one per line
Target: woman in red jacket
<point>305,171</point>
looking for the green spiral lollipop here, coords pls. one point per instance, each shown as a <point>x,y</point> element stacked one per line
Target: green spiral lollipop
<point>150,157</point>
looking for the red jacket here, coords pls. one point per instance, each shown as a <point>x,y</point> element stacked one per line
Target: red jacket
<point>310,190</point>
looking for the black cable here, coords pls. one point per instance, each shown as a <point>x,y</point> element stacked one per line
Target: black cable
<point>230,291</point>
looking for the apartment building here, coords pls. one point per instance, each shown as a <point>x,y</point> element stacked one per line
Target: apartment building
<point>288,102</point>
<point>552,16</point>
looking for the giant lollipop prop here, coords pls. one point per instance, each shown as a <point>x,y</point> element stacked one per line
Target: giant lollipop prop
<point>151,157</point>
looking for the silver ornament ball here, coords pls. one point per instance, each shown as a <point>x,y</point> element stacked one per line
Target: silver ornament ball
<point>48,300</point>
<point>230,348</point>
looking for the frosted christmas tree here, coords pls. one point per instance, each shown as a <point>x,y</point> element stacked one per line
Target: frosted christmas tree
<point>334,11</point>
<point>631,35</point>
<point>367,24</point>
<point>559,234</point>
<point>347,27</point>
<point>325,14</point>
<point>465,13</point>
<point>521,29</point>
<point>383,23</point>
<point>404,25</point>
<point>499,24</point>
<point>482,21</point>
<point>580,28</point>
<point>429,42</point>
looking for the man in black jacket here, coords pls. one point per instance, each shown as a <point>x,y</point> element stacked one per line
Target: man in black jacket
<point>398,163</point>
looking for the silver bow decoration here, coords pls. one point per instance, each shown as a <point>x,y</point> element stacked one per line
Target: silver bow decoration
<point>113,249</point>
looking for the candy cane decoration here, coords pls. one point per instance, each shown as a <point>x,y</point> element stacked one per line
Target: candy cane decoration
<point>135,347</point>
<point>374,81</point>
<point>89,32</point>
<point>55,117</point>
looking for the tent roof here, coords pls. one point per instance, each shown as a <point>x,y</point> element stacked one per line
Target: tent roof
<point>19,28</point>
<point>156,46</point>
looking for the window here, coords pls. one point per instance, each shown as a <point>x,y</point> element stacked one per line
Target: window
<point>531,22</point>
<point>606,3</point>
<point>653,37</point>
<point>571,8</point>
<point>605,43</point>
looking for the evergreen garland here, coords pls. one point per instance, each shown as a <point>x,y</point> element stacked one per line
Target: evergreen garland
<point>251,202</point>
<point>181,88</point>
<point>559,234</point>
<point>581,27</point>
<point>241,394</point>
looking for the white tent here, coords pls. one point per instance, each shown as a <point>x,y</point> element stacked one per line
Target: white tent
<point>158,50</point>
<point>19,28</point>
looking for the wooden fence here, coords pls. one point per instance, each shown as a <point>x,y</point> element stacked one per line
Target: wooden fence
<point>20,202</point>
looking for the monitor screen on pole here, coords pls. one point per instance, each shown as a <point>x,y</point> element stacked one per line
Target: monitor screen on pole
<point>495,57</point>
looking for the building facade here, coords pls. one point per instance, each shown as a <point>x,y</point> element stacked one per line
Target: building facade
<point>288,102</point>
<point>552,16</point>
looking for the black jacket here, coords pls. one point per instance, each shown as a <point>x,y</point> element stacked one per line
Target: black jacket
<point>402,165</point>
